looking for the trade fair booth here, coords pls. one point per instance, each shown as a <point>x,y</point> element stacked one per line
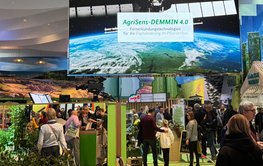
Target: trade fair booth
<point>96,145</point>
<point>134,51</point>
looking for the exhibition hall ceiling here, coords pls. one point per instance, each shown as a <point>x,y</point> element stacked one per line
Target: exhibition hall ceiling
<point>33,29</point>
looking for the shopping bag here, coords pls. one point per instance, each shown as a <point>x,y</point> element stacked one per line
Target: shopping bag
<point>72,131</point>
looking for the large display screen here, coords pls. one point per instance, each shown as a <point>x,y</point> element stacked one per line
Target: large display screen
<point>251,15</point>
<point>94,48</point>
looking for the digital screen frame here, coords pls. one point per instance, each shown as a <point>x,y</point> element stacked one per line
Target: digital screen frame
<point>94,49</point>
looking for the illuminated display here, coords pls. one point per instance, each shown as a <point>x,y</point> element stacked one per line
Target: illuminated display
<point>94,48</point>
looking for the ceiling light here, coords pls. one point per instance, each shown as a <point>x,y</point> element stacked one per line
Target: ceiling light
<point>19,60</point>
<point>40,62</point>
<point>24,20</point>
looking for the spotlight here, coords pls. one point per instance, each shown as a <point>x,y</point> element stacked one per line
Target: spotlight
<point>19,60</point>
<point>40,62</point>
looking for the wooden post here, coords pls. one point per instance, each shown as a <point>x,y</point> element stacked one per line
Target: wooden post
<point>175,149</point>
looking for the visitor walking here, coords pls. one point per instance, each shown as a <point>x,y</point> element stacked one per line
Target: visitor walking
<point>148,130</point>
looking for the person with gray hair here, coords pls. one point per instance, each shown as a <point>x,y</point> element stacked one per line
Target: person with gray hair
<point>50,134</point>
<point>248,109</point>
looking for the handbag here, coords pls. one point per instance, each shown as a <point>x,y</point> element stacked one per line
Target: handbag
<point>72,132</point>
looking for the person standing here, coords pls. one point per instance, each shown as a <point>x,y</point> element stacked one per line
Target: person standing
<point>259,120</point>
<point>200,113</point>
<point>228,114</point>
<point>83,118</point>
<point>248,109</point>
<point>210,122</point>
<point>73,124</point>
<point>49,135</point>
<point>220,115</point>
<point>192,137</point>
<point>159,115</point>
<point>167,114</point>
<point>166,141</point>
<point>238,147</point>
<point>148,130</point>
<point>43,118</point>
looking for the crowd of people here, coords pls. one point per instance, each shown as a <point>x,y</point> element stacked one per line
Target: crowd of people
<point>232,136</point>
<point>233,130</point>
<point>236,133</point>
<point>56,138</point>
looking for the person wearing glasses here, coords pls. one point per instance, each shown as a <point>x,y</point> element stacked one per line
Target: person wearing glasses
<point>248,109</point>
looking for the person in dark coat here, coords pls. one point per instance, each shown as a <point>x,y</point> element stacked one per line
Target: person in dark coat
<point>147,133</point>
<point>199,116</point>
<point>259,120</point>
<point>210,124</point>
<point>228,114</point>
<point>238,147</point>
<point>167,114</point>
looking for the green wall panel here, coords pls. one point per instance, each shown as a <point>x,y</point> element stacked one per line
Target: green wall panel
<point>112,150</point>
<point>123,132</point>
<point>88,149</point>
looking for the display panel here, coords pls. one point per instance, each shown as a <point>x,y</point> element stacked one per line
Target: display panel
<point>251,14</point>
<point>35,98</point>
<point>94,48</point>
<point>149,97</point>
<point>40,98</point>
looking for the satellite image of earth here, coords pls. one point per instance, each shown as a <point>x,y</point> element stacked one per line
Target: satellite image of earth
<point>102,54</point>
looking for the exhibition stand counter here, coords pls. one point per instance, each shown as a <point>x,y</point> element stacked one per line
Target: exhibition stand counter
<point>88,145</point>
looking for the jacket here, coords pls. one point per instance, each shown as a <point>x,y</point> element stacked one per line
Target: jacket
<point>239,150</point>
<point>192,132</point>
<point>166,139</point>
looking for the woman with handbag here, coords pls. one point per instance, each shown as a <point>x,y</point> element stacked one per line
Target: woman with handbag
<point>49,136</point>
<point>72,135</point>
